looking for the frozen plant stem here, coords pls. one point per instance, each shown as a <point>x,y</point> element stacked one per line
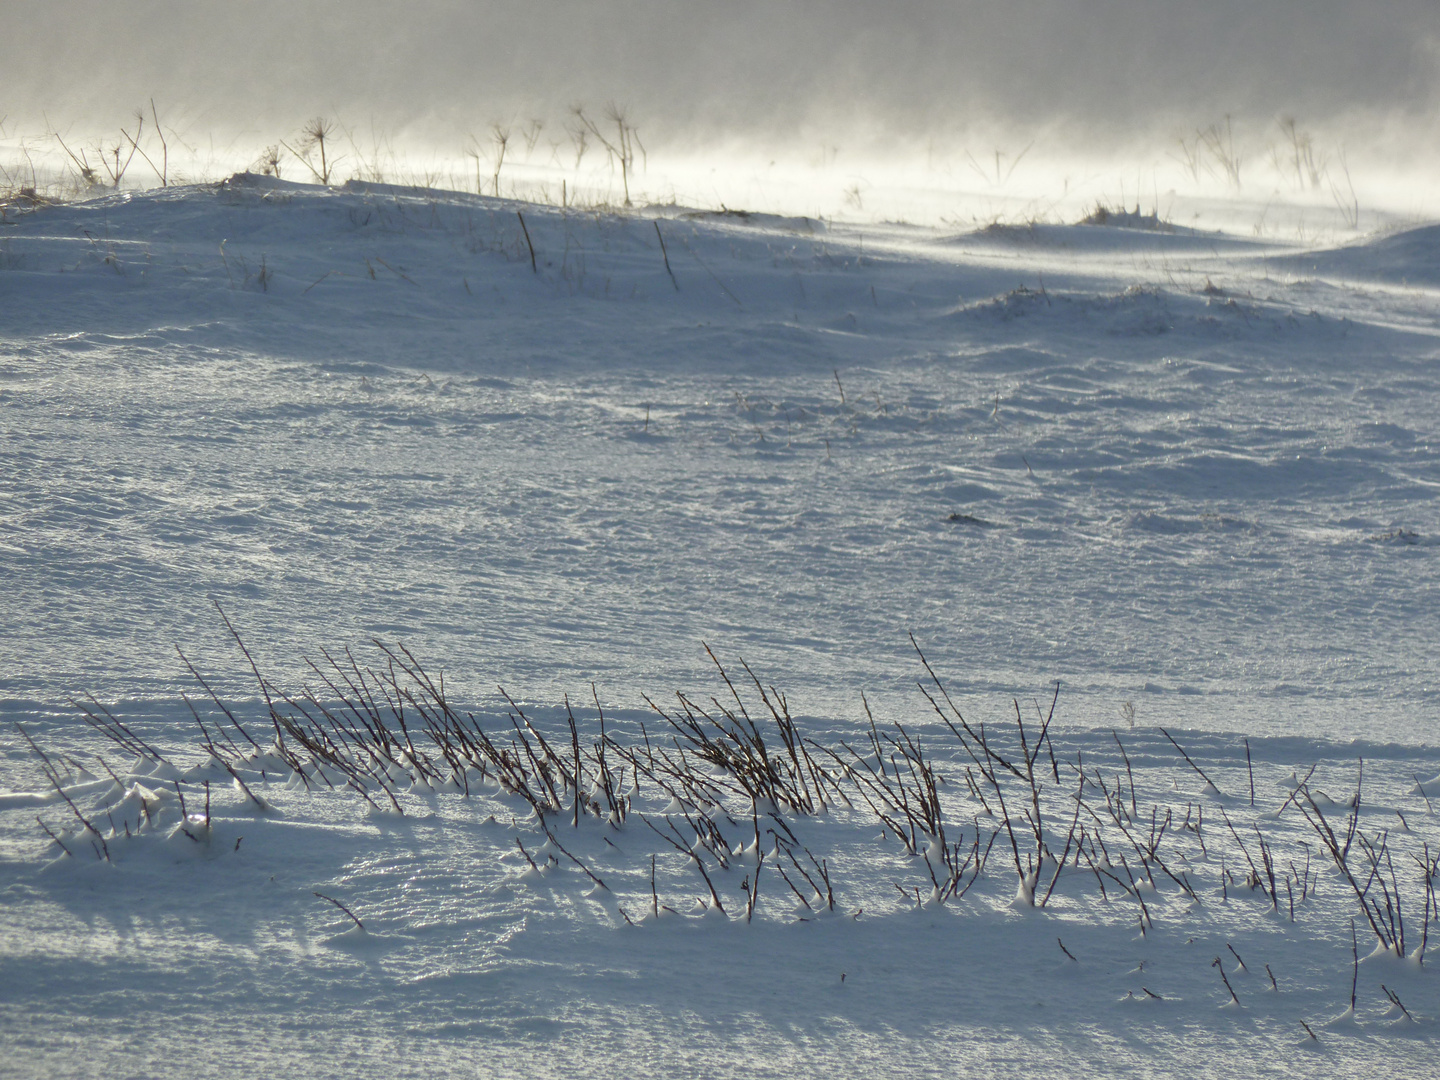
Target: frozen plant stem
<point>1395,1000</point>
<point>1355,969</point>
<point>1218,966</point>
<point>1190,761</point>
<point>665,254</point>
<point>533,265</point>
<point>1237,957</point>
<point>343,908</point>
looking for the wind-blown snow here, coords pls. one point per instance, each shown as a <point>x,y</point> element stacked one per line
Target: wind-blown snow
<point>825,67</point>
<point>1191,476</point>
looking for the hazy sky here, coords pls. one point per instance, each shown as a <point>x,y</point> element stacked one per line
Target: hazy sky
<point>684,66</point>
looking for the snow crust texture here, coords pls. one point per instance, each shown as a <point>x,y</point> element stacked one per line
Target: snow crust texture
<point>1190,477</point>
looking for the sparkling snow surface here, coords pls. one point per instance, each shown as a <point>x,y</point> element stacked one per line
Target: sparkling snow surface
<point>1191,476</point>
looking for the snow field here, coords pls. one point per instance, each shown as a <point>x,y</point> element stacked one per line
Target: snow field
<point>1075,452</point>
<point>457,842</point>
<point>1188,475</point>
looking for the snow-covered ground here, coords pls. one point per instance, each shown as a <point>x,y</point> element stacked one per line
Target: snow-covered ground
<point>1189,475</point>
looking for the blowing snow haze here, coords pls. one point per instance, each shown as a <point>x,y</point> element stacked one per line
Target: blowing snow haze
<point>1112,70</point>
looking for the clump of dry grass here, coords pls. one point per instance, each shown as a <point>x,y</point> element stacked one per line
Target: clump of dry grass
<point>732,785</point>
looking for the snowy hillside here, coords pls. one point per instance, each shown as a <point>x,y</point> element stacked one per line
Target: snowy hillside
<point>1189,477</point>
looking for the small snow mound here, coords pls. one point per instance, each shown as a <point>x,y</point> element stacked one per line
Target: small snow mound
<point>260,183</point>
<point>1311,1043</point>
<point>1384,954</point>
<point>973,521</point>
<point>1346,1021</point>
<point>1025,892</point>
<point>1323,800</point>
<point>397,774</point>
<point>354,934</point>
<point>256,803</point>
<point>1404,1025</point>
<point>1427,788</point>
<point>1125,219</point>
<point>1136,311</point>
<point>369,187</point>
<point>1398,1021</point>
<point>707,910</point>
<point>747,854</point>
<point>199,773</point>
<point>157,770</point>
<point>1401,536</point>
<point>107,798</point>
<point>189,837</point>
<point>1144,997</point>
<point>358,940</point>
<point>12,799</point>
<point>758,220</point>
